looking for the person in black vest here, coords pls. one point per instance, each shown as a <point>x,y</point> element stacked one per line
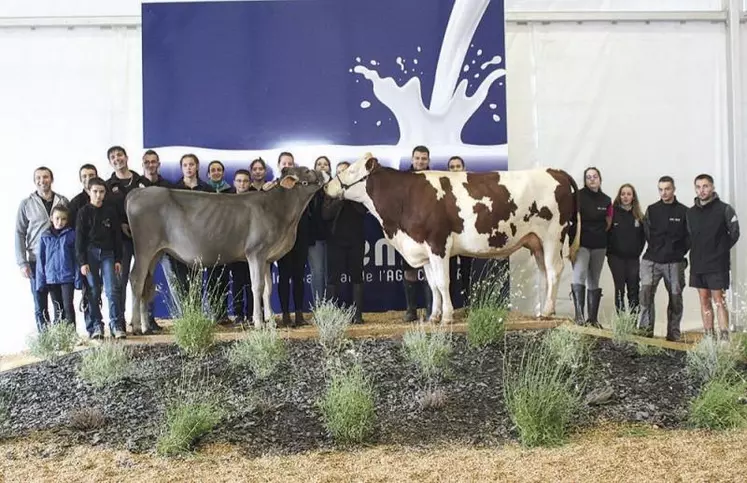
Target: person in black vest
<point>240,281</point>
<point>460,266</point>
<point>421,160</point>
<point>714,230</point>
<point>292,265</point>
<point>190,180</point>
<point>346,245</point>
<point>218,279</point>
<point>624,247</point>
<point>596,217</point>
<point>152,170</point>
<point>121,182</point>
<point>85,173</point>
<point>318,231</point>
<point>666,232</point>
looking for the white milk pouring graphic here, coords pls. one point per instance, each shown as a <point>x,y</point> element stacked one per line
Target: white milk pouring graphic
<point>450,108</point>
<point>438,126</point>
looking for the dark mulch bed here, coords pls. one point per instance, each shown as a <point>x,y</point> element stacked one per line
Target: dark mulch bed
<point>279,415</point>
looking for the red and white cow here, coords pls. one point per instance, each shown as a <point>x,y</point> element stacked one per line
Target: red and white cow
<point>430,216</point>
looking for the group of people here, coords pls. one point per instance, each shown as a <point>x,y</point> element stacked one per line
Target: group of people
<point>85,243</point>
<point>670,232</point>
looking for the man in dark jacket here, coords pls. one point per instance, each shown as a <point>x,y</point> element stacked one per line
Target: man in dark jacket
<point>421,161</point>
<point>714,230</point>
<point>122,181</point>
<point>665,227</point>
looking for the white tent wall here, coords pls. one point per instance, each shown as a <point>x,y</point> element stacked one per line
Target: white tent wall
<point>637,100</point>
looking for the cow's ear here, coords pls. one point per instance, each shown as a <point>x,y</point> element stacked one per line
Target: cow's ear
<point>371,164</point>
<point>289,181</point>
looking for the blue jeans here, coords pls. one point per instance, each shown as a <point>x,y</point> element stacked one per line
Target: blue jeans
<point>318,268</point>
<point>101,265</point>
<point>41,301</point>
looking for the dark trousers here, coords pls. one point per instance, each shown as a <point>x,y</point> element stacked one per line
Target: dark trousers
<point>460,276</point>
<point>674,281</point>
<point>62,300</point>
<point>344,258</point>
<point>291,270</point>
<point>41,301</point>
<point>625,275</point>
<point>217,290</point>
<point>241,290</point>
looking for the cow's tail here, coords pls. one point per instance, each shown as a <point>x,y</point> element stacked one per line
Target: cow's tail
<point>574,222</point>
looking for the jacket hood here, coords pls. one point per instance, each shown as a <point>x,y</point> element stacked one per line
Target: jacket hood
<point>699,204</point>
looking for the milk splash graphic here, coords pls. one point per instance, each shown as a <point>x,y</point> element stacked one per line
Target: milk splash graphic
<point>450,108</point>
<point>439,126</point>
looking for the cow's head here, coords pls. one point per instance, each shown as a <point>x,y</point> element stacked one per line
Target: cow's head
<point>302,177</point>
<point>350,183</point>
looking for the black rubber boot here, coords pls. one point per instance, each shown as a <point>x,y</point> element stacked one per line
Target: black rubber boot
<point>593,297</point>
<point>358,300</point>
<point>579,301</point>
<point>412,311</point>
<point>428,296</point>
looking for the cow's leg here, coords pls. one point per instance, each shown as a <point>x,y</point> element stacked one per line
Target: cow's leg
<point>439,268</point>
<point>267,292</point>
<point>257,276</point>
<point>137,283</point>
<point>536,247</point>
<point>554,269</point>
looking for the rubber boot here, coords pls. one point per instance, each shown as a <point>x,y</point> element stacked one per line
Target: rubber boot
<point>358,300</point>
<point>428,296</point>
<point>579,301</point>
<point>593,298</point>
<point>331,293</point>
<point>411,314</point>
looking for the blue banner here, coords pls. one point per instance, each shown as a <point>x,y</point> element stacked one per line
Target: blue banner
<point>237,80</point>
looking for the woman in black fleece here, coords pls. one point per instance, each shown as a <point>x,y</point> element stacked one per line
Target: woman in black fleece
<point>346,244</point>
<point>626,240</point>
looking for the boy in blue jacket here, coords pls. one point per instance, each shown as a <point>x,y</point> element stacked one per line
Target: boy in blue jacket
<point>56,267</point>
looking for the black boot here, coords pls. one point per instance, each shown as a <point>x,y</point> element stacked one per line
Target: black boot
<point>412,312</point>
<point>358,300</point>
<point>579,298</point>
<point>428,297</point>
<point>331,293</point>
<point>593,297</point>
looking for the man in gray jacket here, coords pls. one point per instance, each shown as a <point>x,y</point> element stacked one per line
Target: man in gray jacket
<point>32,220</point>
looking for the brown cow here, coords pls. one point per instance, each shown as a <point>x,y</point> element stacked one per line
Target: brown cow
<point>217,228</point>
<point>430,216</point>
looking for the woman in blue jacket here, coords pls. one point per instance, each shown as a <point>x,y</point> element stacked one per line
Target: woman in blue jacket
<point>56,267</point>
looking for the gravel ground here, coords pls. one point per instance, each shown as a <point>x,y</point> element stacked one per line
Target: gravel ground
<point>279,416</point>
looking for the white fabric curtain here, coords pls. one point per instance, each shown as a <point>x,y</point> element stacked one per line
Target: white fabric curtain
<point>638,101</point>
<point>67,95</point>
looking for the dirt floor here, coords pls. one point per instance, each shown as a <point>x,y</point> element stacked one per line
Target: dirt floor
<point>616,453</point>
<point>627,452</point>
